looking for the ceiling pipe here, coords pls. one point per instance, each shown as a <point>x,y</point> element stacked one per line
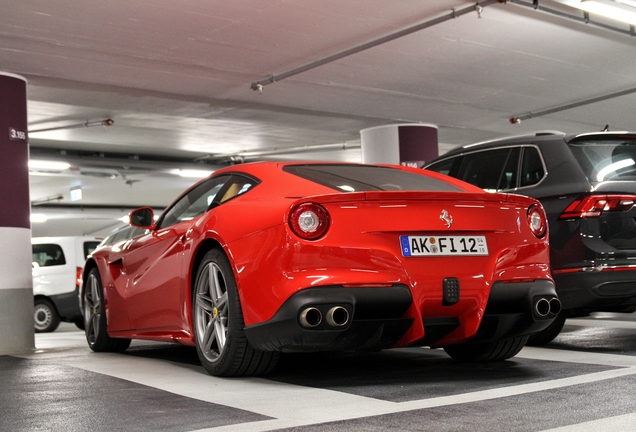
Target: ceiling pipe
<point>584,18</point>
<point>254,154</point>
<point>455,13</point>
<point>105,122</point>
<point>518,118</point>
<point>119,161</point>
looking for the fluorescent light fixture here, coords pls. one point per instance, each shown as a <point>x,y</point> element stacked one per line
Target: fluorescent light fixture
<point>616,10</point>
<point>38,218</point>
<point>48,165</point>
<point>631,3</point>
<point>76,194</point>
<point>192,173</point>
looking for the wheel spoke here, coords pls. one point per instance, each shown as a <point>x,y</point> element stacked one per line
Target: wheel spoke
<point>208,337</point>
<point>95,293</point>
<point>221,304</point>
<point>88,295</point>
<point>220,334</point>
<point>205,302</point>
<point>216,283</point>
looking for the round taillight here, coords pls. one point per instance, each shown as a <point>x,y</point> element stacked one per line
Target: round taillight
<point>309,221</point>
<point>537,221</point>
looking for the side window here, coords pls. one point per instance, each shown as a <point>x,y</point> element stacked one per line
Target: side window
<point>120,235</point>
<point>195,202</point>
<point>532,170</point>
<point>445,166</point>
<point>236,186</point>
<point>134,232</point>
<point>205,196</point>
<point>509,176</point>
<point>485,169</point>
<point>47,255</point>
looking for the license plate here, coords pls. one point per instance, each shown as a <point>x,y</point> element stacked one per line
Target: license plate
<point>443,245</point>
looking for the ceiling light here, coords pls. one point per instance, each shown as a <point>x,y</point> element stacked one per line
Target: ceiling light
<point>192,173</point>
<point>38,218</point>
<point>631,3</point>
<point>615,10</point>
<point>48,165</point>
<point>76,193</point>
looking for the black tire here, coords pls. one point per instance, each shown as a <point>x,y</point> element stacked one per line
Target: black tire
<point>549,333</point>
<point>217,321</point>
<point>486,351</point>
<point>45,316</point>
<point>79,323</point>
<point>95,317</point>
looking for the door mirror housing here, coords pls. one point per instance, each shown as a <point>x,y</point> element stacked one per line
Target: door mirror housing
<point>143,217</point>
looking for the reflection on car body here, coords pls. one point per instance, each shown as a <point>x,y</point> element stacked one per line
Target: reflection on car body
<point>587,185</point>
<point>265,258</point>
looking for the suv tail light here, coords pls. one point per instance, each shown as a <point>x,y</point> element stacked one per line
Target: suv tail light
<point>309,221</point>
<point>593,205</point>
<point>537,221</point>
<point>78,276</point>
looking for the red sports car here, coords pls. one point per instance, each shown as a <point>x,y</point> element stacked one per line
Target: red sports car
<point>265,258</point>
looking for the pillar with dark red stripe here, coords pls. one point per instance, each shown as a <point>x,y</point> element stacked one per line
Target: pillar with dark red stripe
<point>16,284</point>
<point>400,144</point>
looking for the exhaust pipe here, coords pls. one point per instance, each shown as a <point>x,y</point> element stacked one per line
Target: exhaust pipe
<point>555,306</point>
<point>310,317</point>
<point>542,306</point>
<point>337,316</point>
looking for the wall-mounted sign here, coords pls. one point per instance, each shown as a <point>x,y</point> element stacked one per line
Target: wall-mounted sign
<point>17,135</point>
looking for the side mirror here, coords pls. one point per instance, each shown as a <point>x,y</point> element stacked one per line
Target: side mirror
<point>142,218</point>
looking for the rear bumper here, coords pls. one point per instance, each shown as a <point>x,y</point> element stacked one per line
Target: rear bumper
<point>602,291</point>
<point>512,310</point>
<point>376,320</point>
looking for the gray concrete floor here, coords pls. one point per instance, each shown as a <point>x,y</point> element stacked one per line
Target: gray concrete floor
<point>583,381</point>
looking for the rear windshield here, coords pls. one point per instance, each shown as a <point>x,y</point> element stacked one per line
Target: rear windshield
<point>47,255</point>
<point>89,247</point>
<point>356,178</point>
<point>606,159</point>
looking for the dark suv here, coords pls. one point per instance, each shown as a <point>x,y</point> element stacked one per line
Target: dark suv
<point>587,185</point>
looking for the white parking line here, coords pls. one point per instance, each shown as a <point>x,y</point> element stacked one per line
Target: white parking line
<point>291,405</point>
<point>625,422</point>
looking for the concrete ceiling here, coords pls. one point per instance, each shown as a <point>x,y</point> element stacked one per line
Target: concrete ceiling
<point>176,76</point>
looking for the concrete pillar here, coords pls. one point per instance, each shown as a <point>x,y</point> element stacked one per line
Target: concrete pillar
<point>400,144</point>
<point>16,284</point>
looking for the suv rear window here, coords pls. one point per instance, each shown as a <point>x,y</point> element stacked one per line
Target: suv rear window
<point>606,159</point>
<point>47,255</point>
<point>356,178</point>
<point>89,247</point>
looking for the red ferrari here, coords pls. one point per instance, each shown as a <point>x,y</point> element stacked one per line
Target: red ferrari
<point>265,258</point>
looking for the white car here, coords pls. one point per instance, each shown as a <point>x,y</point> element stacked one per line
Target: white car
<point>57,266</point>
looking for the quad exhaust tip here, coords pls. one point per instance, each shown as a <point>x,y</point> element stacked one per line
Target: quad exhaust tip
<point>555,306</point>
<point>545,307</point>
<point>310,317</point>
<point>336,317</point>
<point>542,306</point>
